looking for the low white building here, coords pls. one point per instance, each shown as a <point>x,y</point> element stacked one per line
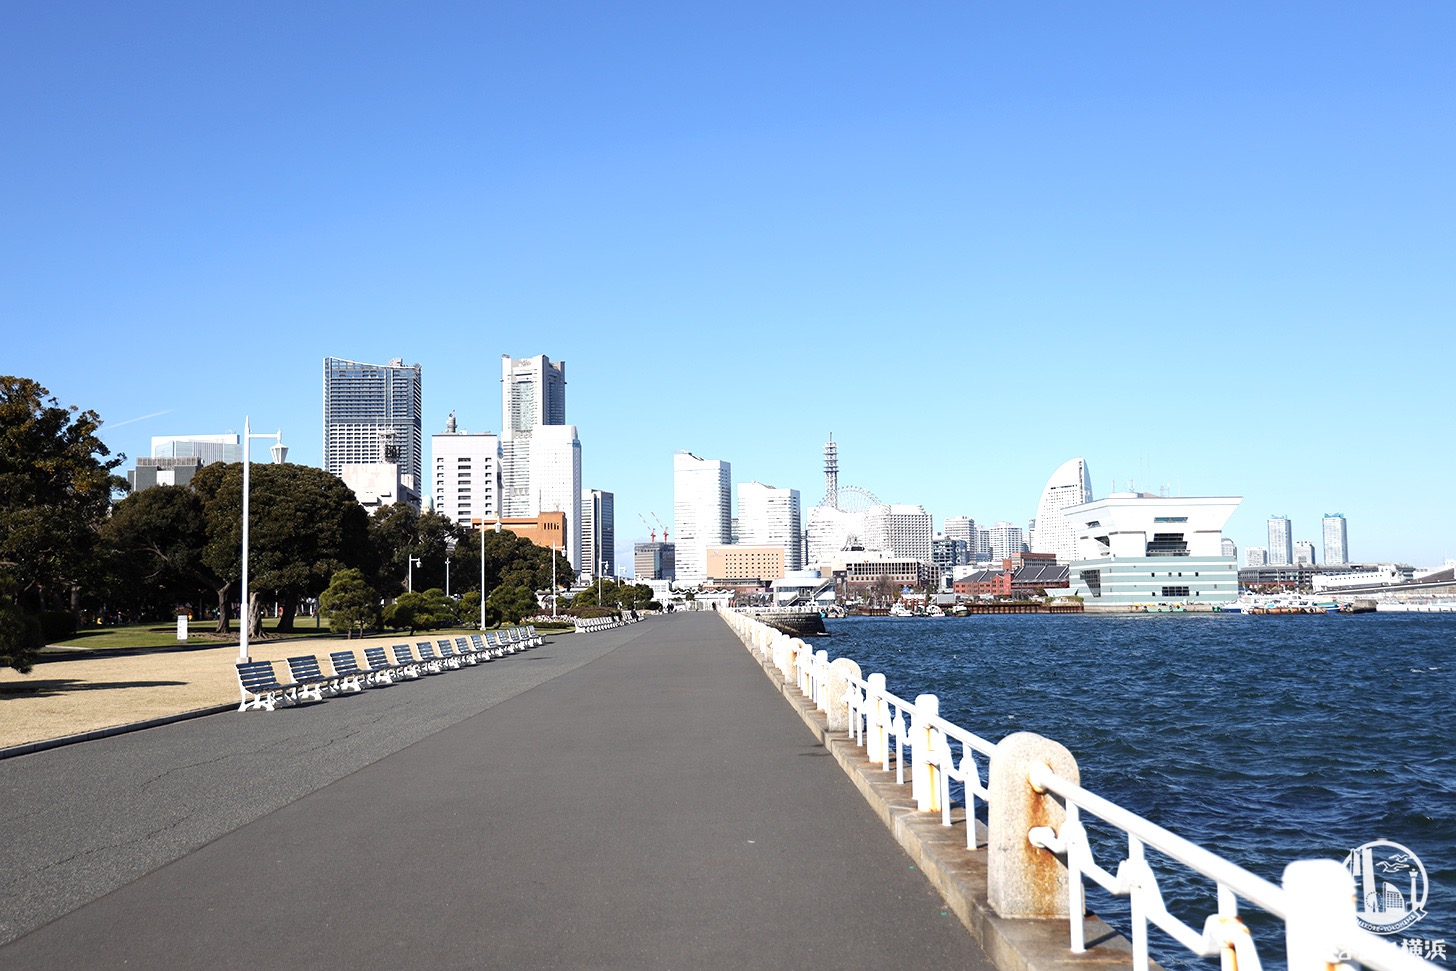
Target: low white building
<point>1136,548</point>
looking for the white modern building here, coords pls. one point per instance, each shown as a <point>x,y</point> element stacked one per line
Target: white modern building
<point>1070,485</point>
<point>1005,541</point>
<point>769,516</point>
<point>899,531</point>
<point>598,533</point>
<point>467,474</point>
<point>555,476</point>
<point>1337,549</point>
<point>533,394</point>
<point>702,509</point>
<point>208,448</point>
<point>372,416</point>
<point>1256,556</point>
<point>1281,541</point>
<point>1136,548</point>
<point>375,484</point>
<point>961,527</point>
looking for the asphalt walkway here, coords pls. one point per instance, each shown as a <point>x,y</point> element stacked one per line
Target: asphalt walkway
<point>643,797</point>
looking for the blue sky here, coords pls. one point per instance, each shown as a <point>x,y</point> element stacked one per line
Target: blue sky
<point>1208,247</point>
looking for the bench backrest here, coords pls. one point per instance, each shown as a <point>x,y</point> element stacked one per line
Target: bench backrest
<point>427,653</point>
<point>344,662</point>
<point>256,674</point>
<point>403,654</point>
<point>305,668</point>
<point>376,658</point>
<point>462,646</point>
<point>477,641</point>
<point>445,649</point>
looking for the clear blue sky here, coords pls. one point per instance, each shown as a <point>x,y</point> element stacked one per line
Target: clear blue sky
<point>1205,245</point>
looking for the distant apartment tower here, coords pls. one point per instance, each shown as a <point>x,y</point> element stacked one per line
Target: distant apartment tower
<point>533,394</point>
<point>701,510</point>
<point>768,516</point>
<point>598,533</point>
<point>467,468</point>
<point>1304,552</point>
<point>961,527</point>
<point>1337,551</point>
<point>1281,541</point>
<point>372,416</point>
<point>900,531</point>
<point>1256,556</point>
<point>1006,541</point>
<point>1069,485</point>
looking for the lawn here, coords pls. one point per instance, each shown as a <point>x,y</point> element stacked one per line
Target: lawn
<point>165,635</point>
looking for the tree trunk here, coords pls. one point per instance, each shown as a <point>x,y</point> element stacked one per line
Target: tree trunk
<point>255,617</point>
<point>224,609</point>
<point>289,606</point>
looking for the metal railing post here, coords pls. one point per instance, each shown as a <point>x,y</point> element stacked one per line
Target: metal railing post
<point>1321,900</point>
<point>1023,880</point>
<point>878,748</point>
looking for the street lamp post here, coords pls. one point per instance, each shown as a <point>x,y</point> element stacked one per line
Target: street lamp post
<point>409,583</point>
<point>450,542</point>
<point>553,580</point>
<point>279,452</point>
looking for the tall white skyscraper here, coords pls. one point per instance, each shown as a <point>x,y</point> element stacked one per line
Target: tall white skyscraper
<point>372,416</point>
<point>1281,541</point>
<point>467,474</point>
<point>533,394</point>
<point>598,533</point>
<point>771,517</point>
<point>963,528</point>
<point>1070,485</point>
<point>899,531</point>
<point>1006,541</point>
<point>1336,549</point>
<point>555,476</point>
<point>702,509</point>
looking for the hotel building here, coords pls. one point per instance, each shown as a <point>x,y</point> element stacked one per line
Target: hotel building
<point>770,517</point>
<point>1070,485</point>
<point>372,416</point>
<point>702,503</point>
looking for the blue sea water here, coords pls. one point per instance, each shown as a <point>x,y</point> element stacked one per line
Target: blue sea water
<point>1262,739</point>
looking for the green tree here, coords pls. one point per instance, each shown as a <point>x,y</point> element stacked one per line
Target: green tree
<point>305,525</point>
<point>155,540</point>
<point>399,531</point>
<point>350,603</point>
<point>512,601</point>
<point>56,484</point>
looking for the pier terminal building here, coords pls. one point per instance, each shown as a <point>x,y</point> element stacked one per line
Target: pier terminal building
<point>1136,548</point>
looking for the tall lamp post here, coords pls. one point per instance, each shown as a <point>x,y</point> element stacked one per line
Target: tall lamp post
<point>409,583</point>
<point>450,542</point>
<point>279,452</point>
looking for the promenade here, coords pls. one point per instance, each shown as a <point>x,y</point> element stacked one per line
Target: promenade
<point>641,797</point>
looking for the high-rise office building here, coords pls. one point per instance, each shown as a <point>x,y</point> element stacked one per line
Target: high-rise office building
<point>555,476</point>
<point>1006,541</point>
<point>768,516</point>
<point>533,394</point>
<point>372,416</point>
<point>702,504</point>
<point>899,531</point>
<point>963,528</point>
<point>598,533</point>
<point>1337,551</point>
<point>1281,541</point>
<point>1303,552</point>
<point>467,472</point>
<point>1069,485</point>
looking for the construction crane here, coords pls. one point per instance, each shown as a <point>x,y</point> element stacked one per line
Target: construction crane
<point>661,526</point>
<point>651,533</point>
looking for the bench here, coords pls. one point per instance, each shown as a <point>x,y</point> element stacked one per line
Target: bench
<point>312,682</point>
<point>381,668</point>
<point>348,672</point>
<point>432,662</point>
<point>260,686</point>
<point>405,661</point>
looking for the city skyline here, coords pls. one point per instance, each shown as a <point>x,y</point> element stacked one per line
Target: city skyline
<point>1128,209</point>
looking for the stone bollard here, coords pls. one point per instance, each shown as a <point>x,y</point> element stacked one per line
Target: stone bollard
<point>821,685</point>
<point>924,776</point>
<point>1321,895</point>
<point>1023,880</point>
<point>841,670</point>
<point>878,747</point>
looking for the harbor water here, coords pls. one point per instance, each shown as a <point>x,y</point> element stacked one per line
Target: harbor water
<point>1262,739</point>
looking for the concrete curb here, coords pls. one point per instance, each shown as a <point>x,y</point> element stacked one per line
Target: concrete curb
<point>960,874</point>
<point>26,748</point>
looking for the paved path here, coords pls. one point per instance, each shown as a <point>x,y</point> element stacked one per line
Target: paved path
<point>637,798</point>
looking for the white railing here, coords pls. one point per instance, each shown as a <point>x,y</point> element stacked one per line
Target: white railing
<point>1034,798</point>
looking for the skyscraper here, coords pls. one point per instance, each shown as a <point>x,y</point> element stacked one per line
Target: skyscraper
<point>598,533</point>
<point>1281,541</point>
<point>533,394</point>
<point>1337,551</point>
<point>371,416</point>
<point>1006,541</point>
<point>1070,485</point>
<point>702,504</point>
<point>899,531</point>
<point>1303,552</point>
<point>555,477</point>
<point>770,517</point>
